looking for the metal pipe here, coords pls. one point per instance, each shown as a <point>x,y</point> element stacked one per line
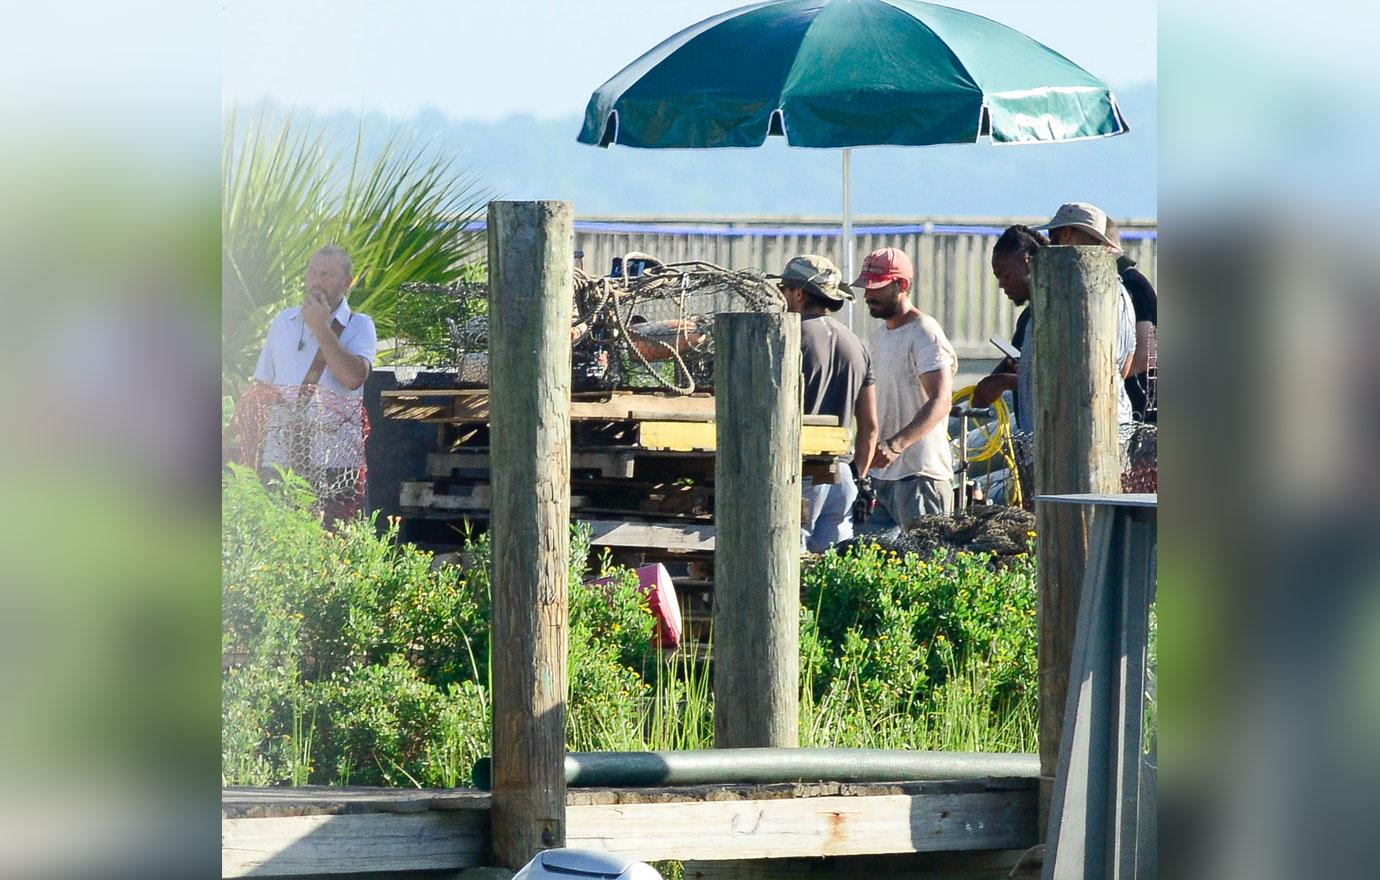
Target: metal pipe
<point>963,414</point>
<point>766,766</point>
<point>846,240</point>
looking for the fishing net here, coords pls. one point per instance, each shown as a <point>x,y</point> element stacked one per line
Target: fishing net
<point>310,430</point>
<point>1141,473</point>
<point>651,329</point>
<point>1140,461</point>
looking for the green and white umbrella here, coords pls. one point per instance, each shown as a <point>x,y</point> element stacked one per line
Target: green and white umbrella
<point>848,73</point>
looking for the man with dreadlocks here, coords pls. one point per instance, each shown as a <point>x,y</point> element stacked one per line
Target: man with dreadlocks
<point>838,382</point>
<point>1011,257</point>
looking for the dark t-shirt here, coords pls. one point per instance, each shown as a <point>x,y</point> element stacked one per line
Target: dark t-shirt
<point>1143,298</point>
<point>1022,323</point>
<point>1146,305</point>
<point>836,368</point>
<point>1018,343</point>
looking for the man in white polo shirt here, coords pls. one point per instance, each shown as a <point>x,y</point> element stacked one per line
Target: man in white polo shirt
<point>318,355</point>
<point>914,365</point>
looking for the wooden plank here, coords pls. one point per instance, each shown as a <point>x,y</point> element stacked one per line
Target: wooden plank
<point>623,464</point>
<point>757,511</point>
<point>773,791</point>
<point>531,261</point>
<point>700,437</point>
<point>423,496</point>
<point>979,865</point>
<point>823,826</point>
<point>258,803</point>
<point>353,844</point>
<point>608,464</point>
<point>677,436</point>
<point>373,830</point>
<point>679,538</point>
<point>475,496</point>
<point>413,407</point>
<point>461,405</point>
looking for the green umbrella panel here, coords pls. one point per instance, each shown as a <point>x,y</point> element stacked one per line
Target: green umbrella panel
<point>845,73</point>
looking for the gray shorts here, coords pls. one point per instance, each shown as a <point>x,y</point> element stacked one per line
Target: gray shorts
<point>901,503</point>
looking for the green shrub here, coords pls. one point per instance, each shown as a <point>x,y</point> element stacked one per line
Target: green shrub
<point>610,644</point>
<point>354,659</point>
<point>890,641</point>
<point>350,652</point>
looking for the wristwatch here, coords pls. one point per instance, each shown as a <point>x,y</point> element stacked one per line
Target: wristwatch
<point>891,450</point>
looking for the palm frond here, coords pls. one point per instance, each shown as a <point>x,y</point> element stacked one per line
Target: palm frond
<point>285,193</point>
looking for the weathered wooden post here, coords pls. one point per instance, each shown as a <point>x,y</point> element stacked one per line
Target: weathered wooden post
<point>757,486</point>
<point>1074,294</point>
<point>530,290</point>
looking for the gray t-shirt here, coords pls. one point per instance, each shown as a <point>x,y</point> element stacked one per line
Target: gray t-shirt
<point>900,357</point>
<point>835,366</point>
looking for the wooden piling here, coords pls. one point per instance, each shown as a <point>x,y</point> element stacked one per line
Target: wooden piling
<point>1074,297</point>
<point>531,248</point>
<point>757,484</point>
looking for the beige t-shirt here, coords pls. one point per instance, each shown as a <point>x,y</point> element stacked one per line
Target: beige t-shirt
<point>899,357</point>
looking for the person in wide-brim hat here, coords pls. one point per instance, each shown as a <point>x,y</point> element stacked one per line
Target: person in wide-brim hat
<point>1080,217</point>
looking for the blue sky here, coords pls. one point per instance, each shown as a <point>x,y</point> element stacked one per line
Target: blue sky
<point>488,60</point>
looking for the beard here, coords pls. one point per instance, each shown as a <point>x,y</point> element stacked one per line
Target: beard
<point>884,310</point>
<point>330,296</point>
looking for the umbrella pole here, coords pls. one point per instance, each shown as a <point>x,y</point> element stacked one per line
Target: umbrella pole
<point>846,244</point>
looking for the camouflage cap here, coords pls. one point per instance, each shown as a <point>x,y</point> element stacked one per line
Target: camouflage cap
<point>817,275</point>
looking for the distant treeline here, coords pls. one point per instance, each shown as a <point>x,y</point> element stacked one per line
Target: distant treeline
<point>527,158</point>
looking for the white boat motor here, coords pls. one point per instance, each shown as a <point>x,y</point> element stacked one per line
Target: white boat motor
<point>584,864</point>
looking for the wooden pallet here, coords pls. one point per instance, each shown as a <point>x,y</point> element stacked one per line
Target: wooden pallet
<point>645,422</point>
<point>642,476</point>
<point>459,405</point>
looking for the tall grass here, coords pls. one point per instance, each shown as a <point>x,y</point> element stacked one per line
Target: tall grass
<point>958,715</point>
<point>680,715</point>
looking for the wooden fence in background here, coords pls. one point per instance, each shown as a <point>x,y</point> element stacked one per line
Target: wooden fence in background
<point>952,257</point>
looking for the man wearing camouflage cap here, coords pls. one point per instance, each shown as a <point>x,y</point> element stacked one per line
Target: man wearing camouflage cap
<point>837,382</point>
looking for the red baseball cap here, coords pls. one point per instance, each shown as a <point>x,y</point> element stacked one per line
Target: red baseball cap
<point>884,266</point>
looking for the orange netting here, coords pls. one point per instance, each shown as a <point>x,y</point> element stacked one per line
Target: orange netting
<point>309,430</point>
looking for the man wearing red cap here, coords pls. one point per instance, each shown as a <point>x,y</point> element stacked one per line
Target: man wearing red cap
<point>914,365</point>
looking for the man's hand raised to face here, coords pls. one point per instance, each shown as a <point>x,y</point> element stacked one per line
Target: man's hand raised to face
<point>316,311</point>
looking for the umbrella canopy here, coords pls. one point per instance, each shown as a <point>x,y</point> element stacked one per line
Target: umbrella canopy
<point>847,73</point>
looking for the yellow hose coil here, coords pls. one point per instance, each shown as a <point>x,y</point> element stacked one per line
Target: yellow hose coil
<point>996,434</point>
